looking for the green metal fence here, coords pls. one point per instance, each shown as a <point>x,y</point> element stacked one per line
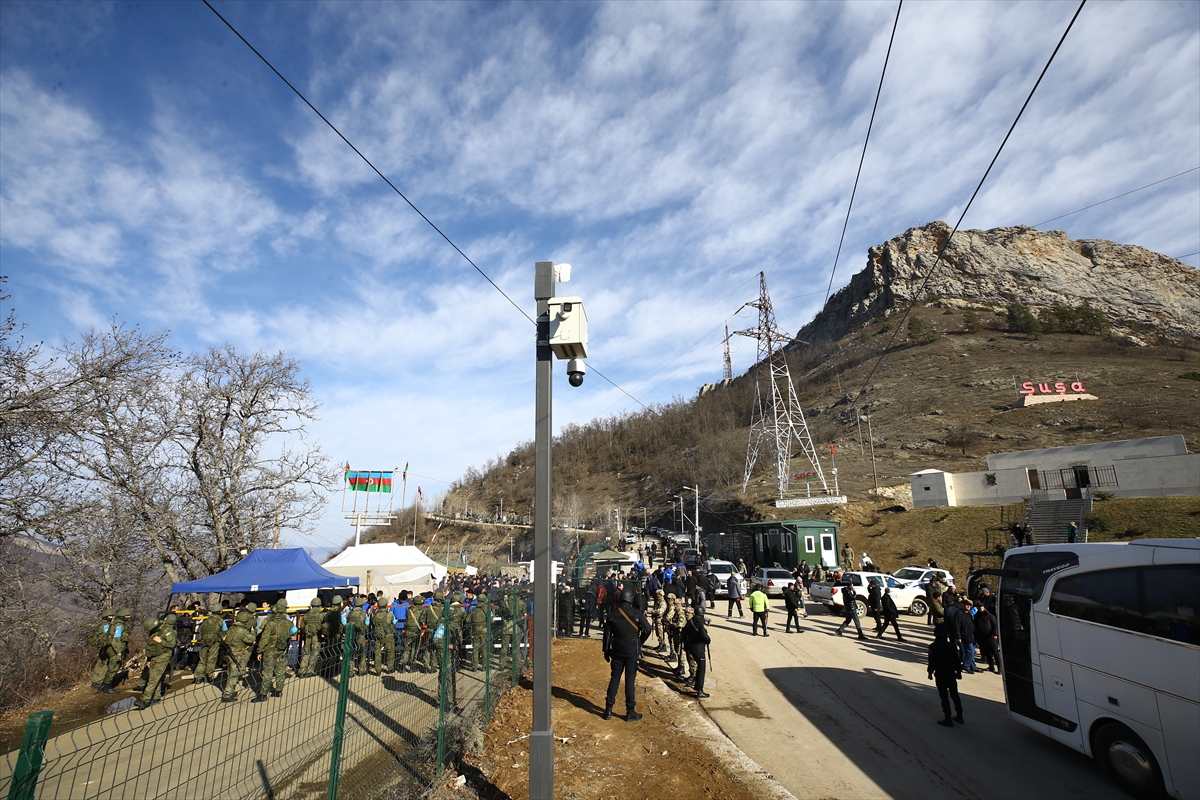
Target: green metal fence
<point>340,735</point>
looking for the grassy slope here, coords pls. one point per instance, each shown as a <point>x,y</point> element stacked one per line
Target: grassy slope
<point>950,534</point>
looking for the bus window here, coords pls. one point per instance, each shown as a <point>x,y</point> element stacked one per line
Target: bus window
<point>1109,597</point>
<point>1171,594</point>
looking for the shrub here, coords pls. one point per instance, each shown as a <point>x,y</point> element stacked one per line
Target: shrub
<point>1022,320</point>
<point>972,322</point>
<point>1190,376</point>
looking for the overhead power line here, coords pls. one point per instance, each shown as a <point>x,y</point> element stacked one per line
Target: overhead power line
<point>1115,197</point>
<point>385,179</point>
<point>863,157</point>
<point>366,160</point>
<point>941,250</point>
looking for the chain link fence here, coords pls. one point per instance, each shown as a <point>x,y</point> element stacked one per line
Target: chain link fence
<point>352,730</point>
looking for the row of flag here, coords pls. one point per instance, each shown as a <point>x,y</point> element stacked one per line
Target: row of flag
<point>372,481</point>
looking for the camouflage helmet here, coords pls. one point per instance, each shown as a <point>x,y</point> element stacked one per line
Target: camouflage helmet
<point>439,596</point>
<point>337,599</point>
<point>457,597</point>
<point>108,612</point>
<point>483,598</point>
<point>281,606</point>
<point>215,609</point>
<point>316,602</point>
<point>169,619</point>
<point>125,612</point>
<point>245,617</point>
<point>150,623</point>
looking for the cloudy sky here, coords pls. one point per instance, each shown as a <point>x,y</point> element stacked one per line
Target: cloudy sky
<point>151,167</point>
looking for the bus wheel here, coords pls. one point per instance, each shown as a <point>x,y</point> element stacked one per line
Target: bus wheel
<point>918,608</point>
<point>1128,761</point>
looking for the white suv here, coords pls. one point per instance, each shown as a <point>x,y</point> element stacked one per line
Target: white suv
<point>913,575</point>
<point>723,569</point>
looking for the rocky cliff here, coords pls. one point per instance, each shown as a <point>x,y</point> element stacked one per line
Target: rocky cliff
<point>1145,295</point>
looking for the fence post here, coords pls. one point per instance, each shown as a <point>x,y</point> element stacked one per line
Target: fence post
<point>29,761</point>
<point>515,652</point>
<point>487,668</point>
<point>339,721</point>
<point>443,677</point>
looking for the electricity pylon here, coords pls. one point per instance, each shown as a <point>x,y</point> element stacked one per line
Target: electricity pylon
<point>728,364</point>
<point>778,421</point>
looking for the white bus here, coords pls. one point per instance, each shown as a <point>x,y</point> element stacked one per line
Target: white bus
<point>1100,647</point>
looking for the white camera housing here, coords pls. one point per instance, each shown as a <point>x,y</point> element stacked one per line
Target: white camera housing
<point>568,327</point>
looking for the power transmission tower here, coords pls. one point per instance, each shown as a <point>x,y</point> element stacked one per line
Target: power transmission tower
<point>778,422</point>
<point>728,364</point>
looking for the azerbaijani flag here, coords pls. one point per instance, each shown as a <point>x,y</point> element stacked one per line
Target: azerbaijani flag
<point>366,481</point>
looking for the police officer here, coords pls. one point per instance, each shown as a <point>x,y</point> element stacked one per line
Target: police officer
<point>210,645</point>
<point>239,641</point>
<point>624,633</point>
<point>310,628</point>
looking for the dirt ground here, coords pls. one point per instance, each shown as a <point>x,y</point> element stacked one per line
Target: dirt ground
<point>675,750</point>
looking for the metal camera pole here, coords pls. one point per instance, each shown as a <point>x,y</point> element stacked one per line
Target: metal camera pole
<point>541,739</point>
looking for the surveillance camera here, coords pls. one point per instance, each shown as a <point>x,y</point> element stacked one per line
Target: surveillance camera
<point>575,371</point>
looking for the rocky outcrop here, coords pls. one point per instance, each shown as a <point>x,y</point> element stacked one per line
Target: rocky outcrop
<point>1145,295</point>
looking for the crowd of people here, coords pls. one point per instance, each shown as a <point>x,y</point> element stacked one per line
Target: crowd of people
<point>464,623</point>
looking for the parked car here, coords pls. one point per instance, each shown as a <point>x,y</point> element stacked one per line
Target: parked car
<point>907,598</point>
<point>914,575</point>
<point>723,569</point>
<point>772,580</point>
<point>630,538</point>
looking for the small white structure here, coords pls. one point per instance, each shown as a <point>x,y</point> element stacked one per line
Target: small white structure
<point>387,566</point>
<point>1158,466</point>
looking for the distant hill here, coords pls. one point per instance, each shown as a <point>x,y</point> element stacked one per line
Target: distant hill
<point>939,393</point>
<point>1146,296</point>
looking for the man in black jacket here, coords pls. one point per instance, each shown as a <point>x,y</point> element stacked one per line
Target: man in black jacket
<point>891,615</point>
<point>624,634</point>
<point>945,666</point>
<point>792,601</point>
<point>874,605</point>
<point>695,639</point>
<point>986,637</point>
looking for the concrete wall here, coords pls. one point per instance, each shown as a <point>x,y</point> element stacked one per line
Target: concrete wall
<point>1101,454</point>
<point>931,488</point>
<point>1158,477</point>
<point>972,488</point>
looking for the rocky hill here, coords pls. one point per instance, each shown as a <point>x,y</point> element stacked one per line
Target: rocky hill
<point>1148,297</point>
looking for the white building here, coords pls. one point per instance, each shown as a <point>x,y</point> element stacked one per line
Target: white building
<point>1155,467</point>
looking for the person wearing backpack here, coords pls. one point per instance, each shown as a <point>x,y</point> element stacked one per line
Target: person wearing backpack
<point>100,641</point>
<point>695,639</point>
<point>358,618</point>
<point>383,625</point>
<point>159,648</point>
<point>310,628</point>
<point>239,641</point>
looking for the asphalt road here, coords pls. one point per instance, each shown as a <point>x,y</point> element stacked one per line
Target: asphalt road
<point>835,717</point>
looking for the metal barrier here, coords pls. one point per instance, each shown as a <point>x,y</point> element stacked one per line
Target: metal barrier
<point>350,731</point>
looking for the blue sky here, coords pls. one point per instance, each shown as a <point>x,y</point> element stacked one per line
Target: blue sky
<point>151,167</point>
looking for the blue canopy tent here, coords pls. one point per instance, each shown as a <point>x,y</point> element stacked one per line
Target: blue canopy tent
<point>268,571</point>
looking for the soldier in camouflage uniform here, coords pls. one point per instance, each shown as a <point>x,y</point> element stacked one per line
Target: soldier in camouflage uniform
<point>383,625</point>
<point>239,640</point>
<point>480,620</point>
<point>310,628</point>
<point>431,618</point>
<point>273,643</point>
<point>448,661</point>
<point>358,619</point>
<point>657,610</point>
<point>673,622</point>
<point>158,658</point>
<point>100,639</point>
<point>210,646</point>
<point>412,633</point>
<point>331,638</point>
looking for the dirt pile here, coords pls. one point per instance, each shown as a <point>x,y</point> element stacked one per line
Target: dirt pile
<point>674,751</point>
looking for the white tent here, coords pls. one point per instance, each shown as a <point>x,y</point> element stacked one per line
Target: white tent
<point>387,566</point>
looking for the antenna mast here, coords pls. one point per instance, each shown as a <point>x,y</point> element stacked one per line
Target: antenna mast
<point>778,421</point>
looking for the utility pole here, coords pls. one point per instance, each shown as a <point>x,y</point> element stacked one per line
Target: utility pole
<point>728,373</point>
<point>871,439</point>
<point>696,521</point>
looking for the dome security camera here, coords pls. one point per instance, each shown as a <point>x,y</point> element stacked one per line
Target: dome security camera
<point>575,371</point>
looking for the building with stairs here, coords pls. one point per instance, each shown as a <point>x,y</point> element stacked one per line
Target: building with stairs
<point>1153,467</point>
<point>1049,519</point>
